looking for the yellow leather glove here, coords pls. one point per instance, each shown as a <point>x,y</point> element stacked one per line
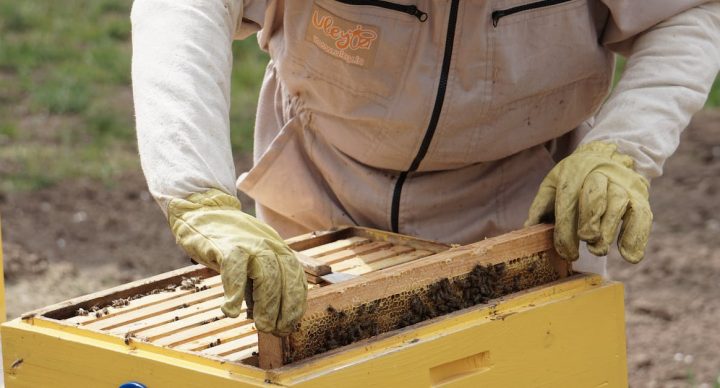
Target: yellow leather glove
<point>214,231</point>
<point>589,193</point>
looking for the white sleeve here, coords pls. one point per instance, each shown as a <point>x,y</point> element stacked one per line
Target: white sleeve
<point>181,65</point>
<point>667,79</point>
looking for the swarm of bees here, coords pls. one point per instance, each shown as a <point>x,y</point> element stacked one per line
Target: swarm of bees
<point>98,312</point>
<point>349,327</point>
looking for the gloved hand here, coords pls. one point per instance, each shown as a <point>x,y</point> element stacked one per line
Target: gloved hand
<point>589,193</point>
<point>213,230</point>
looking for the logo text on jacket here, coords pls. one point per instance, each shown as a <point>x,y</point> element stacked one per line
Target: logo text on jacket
<point>354,43</point>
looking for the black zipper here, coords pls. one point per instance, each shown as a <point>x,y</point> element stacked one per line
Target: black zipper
<point>434,118</point>
<point>499,14</point>
<point>408,9</point>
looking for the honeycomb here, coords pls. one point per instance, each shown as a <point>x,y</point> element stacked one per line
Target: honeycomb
<point>333,328</point>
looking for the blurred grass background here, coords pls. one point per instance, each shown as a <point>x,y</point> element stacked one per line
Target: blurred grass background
<point>65,96</point>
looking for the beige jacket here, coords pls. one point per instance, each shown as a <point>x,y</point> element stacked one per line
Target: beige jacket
<point>438,120</point>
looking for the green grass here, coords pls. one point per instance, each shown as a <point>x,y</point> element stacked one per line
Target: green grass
<point>35,166</point>
<point>66,109</point>
<point>714,98</point>
<point>65,99</point>
<point>248,69</point>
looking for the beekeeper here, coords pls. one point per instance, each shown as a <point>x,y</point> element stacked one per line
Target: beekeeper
<point>437,119</point>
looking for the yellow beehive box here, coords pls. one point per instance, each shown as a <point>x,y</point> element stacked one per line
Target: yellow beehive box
<point>568,332</point>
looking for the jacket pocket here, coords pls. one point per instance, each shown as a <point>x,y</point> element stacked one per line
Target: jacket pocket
<point>501,13</point>
<point>351,46</point>
<point>285,181</point>
<point>539,48</point>
<point>409,9</point>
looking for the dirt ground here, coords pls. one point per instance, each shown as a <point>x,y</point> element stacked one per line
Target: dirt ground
<point>673,297</point>
<point>81,237</point>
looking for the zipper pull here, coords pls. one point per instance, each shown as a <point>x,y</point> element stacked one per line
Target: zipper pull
<point>496,16</point>
<point>420,15</point>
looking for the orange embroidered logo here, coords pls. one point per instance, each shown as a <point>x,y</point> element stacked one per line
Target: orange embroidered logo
<point>354,39</point>
<point>350,41</point>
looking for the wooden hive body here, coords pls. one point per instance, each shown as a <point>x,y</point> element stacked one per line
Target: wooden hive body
<point>418,290</point>
<point>180,310</point>
<point>179,338</point>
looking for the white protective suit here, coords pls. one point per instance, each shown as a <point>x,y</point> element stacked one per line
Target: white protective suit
<point>439,123</point>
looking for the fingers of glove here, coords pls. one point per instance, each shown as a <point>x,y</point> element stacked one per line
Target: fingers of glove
<point>591,206</point>
<point>263,268</point>
<point>566,220</point>
<point>542,206</point>
<point>635,231</point>
<point>294,294</point>
<point>567,243</point>
<point>249,300</point>
<point>617,202</point>
<point>233,273</point>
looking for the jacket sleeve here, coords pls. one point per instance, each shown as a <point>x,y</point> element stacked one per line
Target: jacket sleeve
<point>667,79</point>
<point>629,18</point>
<point>182,59</point>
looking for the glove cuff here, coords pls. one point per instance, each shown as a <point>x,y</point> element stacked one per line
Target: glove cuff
<point>212,199</point>
<point>610,150</point>
<point>597,147</point>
